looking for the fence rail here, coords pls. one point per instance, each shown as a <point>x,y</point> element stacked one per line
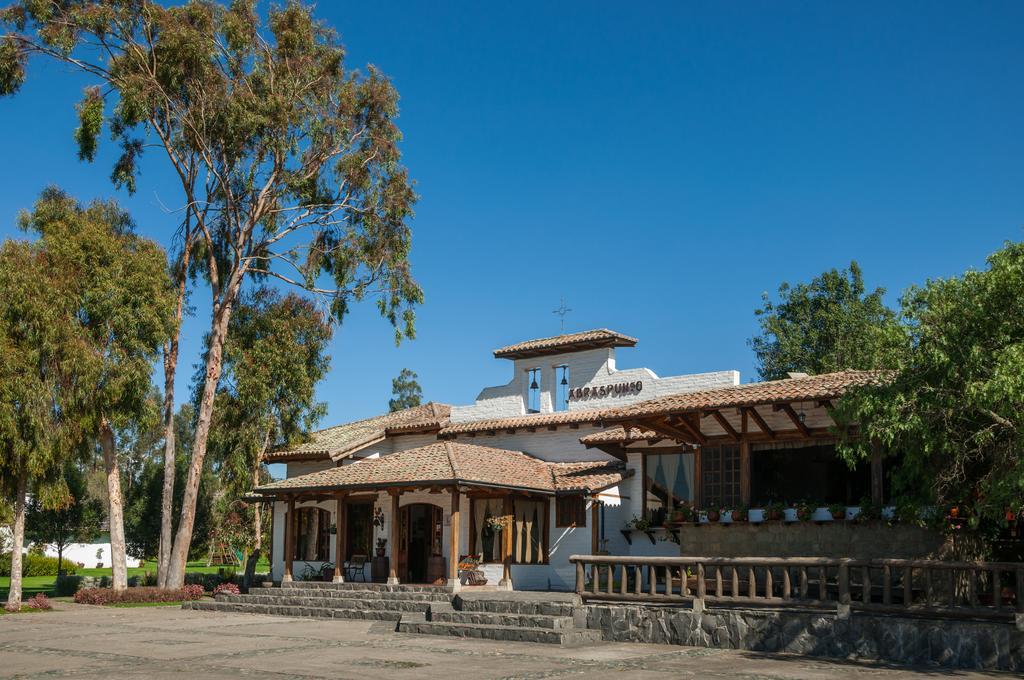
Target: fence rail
<point>991,590</point>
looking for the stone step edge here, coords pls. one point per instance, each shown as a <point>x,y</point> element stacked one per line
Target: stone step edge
<point>569,637</point>
<point>353,614</point>
<point>326,603</point>
<point>445,613</point>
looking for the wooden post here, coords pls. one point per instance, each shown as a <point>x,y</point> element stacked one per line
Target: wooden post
<point>877,476</point>
<point>595,535</point>
<point>843,605</point>
<point>341,533</point>
<point>289,541</point>
<point>745,473</point>
<point>698,481</point>
<point>395,520</point>
<point>454,541</point>
<point>506,544</point>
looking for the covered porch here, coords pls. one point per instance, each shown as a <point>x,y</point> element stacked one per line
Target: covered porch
<point>416,515</point>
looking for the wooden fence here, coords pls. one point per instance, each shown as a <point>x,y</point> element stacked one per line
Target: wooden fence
<point>990,590</point>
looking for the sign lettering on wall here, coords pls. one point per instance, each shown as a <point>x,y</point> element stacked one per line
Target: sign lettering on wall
<point>603,391</point>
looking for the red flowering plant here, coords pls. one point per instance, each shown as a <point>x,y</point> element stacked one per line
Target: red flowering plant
<point>38,601</point>
<point>227,588</point>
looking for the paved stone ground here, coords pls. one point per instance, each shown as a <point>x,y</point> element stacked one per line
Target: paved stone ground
<point>166,642</point>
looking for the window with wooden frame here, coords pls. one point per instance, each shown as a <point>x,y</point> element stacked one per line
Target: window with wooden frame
<point>528,522</point>
<point>570,511</point>
<point>720,476</point>
<point>313,538</point>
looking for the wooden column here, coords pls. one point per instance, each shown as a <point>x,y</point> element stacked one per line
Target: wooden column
<point>877,477</point>
<point>745,473</point>
<point>506,544</point>
<point>698,480</point>
<point>595,535</point>
<point>289,540</point>
<point>454,541</point>
<point>340,536</point>
<point>395,520</point>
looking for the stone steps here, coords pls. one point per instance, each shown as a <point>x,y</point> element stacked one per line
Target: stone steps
<point>353,594</point>
<point>571,637</point>
<point>371,587</point>
<point>287,600</point>
<point>515,605</point>
<point>286,610</point>
<point>442,612</point>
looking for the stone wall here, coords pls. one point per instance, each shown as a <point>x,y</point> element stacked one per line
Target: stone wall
<point>921,642</point>
<point>810,539</point>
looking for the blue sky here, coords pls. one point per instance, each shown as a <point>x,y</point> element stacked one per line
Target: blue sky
<point>657,164</point>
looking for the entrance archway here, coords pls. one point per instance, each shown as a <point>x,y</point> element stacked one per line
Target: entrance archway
<point>422,525</point>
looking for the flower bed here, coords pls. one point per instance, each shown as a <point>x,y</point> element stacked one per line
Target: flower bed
<point>104,596</point>
<point>227,589</point>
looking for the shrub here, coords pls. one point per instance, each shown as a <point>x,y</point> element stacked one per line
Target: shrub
<point>103,596</point>
<point>227,589</point>
<point>36,565</point>
<point>38,601</point>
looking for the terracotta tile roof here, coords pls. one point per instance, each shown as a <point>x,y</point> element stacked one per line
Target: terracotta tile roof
<point>340,440</point>
<point>590,416</point>
<point>589,476</point>
<point>599,337</point>
<point>438,463</point>
<point>618,435</point>
<point>809,388</point>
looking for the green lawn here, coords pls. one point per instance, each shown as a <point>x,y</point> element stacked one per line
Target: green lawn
<point>45,584</point>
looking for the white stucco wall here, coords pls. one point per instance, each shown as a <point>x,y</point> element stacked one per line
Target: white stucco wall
<point>590,368</point>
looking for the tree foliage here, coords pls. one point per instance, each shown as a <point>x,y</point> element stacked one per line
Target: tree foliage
<point>829,324</point>
<point>274,357</point>
<point>289,164</point>
<point>405,391</point>
<point>952,411</point>
<point>76,521</point>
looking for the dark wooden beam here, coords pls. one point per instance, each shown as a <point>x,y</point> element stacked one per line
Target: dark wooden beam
<point>723,423</point>
<point>661,426</point>
<point>752,412</point>
<point>788,410</point>
<point>687,426</point>
<point>824,403</point>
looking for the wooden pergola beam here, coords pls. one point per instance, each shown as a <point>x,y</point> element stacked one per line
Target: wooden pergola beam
<point>763,426</point>
<point>723,423</point>
<point>788,410</point>
<point>687,426</point>
<point>661,426</point>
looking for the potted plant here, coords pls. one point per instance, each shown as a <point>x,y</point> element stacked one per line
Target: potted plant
<point>739,513</point>
<point>774,511</point>
<point>868,511</point>
<point>838,511</point>
<point>803,511</point>
<point>382,545</point>
<point>683,513</point>
<point>713,514</point>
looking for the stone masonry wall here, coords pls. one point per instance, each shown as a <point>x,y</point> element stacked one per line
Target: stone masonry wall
<point>922,642</point>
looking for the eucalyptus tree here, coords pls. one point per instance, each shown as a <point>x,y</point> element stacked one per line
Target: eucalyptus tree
<point>77,520</point>
<point>118,305</point>
<point>39,406</point>
<point>288,163</point>
<point>274,357</point>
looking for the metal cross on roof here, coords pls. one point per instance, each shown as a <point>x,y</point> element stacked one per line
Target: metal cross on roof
<point>561,312</point>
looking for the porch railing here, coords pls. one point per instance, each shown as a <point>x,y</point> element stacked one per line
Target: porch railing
<point>991,590</point>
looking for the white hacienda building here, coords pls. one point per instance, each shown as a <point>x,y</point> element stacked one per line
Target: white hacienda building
<point>556,462</point>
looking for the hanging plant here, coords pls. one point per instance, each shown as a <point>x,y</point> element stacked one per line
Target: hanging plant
<point>498,522</point>
<point>378,518</point>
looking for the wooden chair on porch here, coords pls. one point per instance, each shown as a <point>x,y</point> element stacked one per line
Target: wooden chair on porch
<point>356,565</point>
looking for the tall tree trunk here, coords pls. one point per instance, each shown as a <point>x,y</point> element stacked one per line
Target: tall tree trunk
<point>14,591</point>
<point>163,560</point>
<point>167,500</point>
<point>118,560</point>
<point>257,521</point>
<point>214,364</point>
